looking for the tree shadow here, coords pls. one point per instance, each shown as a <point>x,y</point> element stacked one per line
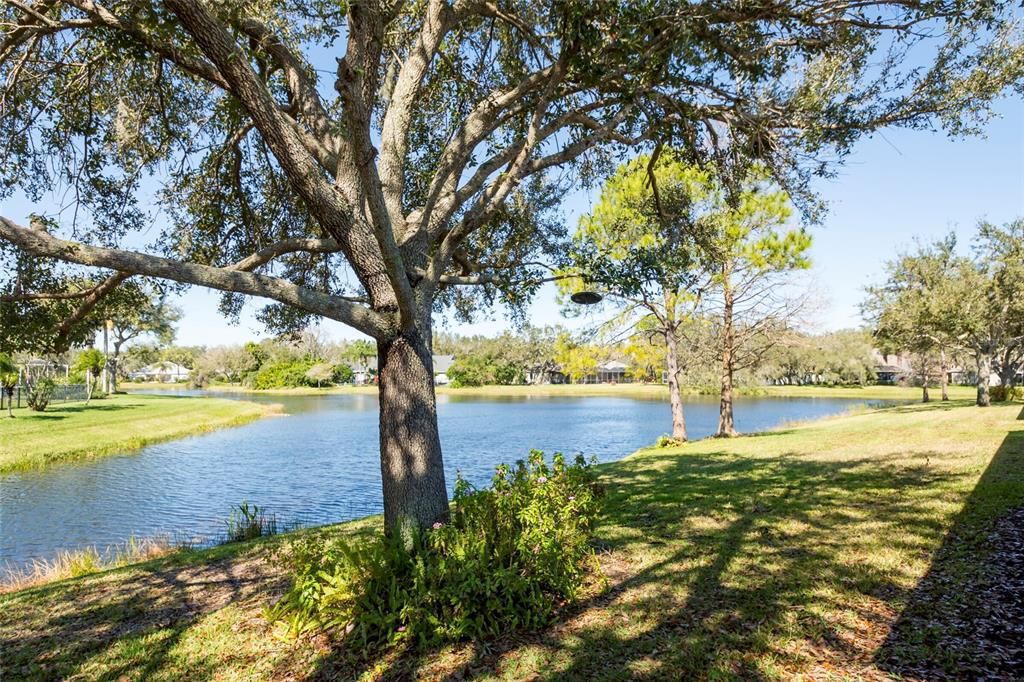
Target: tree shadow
<point>709,557</point>
<point>112,628</point>
<point>965,619</point>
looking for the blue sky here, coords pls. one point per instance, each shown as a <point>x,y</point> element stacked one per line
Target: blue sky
<point>896,186</point>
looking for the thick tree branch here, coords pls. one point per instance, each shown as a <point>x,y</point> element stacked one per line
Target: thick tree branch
<point>41,243</point>
<point>283,247</point>
<point>96,294</point>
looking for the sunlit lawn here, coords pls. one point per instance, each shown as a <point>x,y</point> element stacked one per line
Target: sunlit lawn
<point>789,555</point>
<point>118,423</point>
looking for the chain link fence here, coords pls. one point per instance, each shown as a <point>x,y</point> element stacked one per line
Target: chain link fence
<point>62,393</point>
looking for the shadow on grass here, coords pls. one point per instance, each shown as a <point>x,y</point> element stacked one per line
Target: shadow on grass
<point>87,630</point>
<point>965,619</point>
<point>710,557</point>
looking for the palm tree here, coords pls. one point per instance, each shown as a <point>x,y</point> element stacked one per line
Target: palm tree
<point>91,362</point>
<point>8,380</point>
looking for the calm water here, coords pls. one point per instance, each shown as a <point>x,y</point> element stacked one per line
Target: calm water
<point>319,464</point>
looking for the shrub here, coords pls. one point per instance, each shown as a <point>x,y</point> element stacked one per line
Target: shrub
<point>283,375</point>
<point>480,370</point>
<point>669,442</point>
<point>1001,394</point>
<point>38,391</point>
<point>249,523</point>
<point>509,556</point>
<point>343,374</point>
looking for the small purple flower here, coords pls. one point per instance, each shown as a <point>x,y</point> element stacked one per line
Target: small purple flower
<point>401,628</point>
<point>542,479</point>
<point>572,497</point>
<point>436,526</point>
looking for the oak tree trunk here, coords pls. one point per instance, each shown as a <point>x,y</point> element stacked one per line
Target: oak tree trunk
<point>674,395</point>
<point>726,422</point>
<point>984,371</point>
<point>943,376</point>
<point>410,449</point>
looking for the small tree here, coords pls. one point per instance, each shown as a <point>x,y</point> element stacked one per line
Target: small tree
<point>577,360</point>
<point>320,373</point>
<point>8,381</point>
<point>136,310</point>
<point>750,255</point>
<point>669,242</point>
<point>91,362</point>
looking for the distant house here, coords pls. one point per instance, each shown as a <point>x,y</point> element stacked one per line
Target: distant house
<point>547,372</point>
<point>442,363</point>
<point>611,372</point>
<point>364,370</point>
<point>891,369</point>
<point>41,367</point>
<point>163,372</point>
<point>889,374</point>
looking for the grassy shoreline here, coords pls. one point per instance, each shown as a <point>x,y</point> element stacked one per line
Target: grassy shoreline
<point>804,552</point>
<point>116,424</point>
<point>639,391</point>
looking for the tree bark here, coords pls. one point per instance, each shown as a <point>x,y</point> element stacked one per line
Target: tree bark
<point>984,371</point>
<point>411,466</point>
<point>726,422</point>
<point>674,395</point>
<point>924,385</point>
<point>943,375</point>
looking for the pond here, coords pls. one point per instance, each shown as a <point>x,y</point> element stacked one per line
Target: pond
<point>319,464</point>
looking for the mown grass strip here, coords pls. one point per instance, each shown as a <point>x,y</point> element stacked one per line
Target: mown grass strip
<point>116,424</point>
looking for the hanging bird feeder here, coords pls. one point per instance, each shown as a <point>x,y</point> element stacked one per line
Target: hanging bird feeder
<point>586,297</point>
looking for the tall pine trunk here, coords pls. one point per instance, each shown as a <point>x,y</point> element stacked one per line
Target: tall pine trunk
<point>726,422</point>
<point>410,449</point>
<point>984,371</point>
<point>674,393</point>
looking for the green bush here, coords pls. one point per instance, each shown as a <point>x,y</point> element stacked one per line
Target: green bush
<point>283,375</point>
<point>38,392</point>
<point>509,556</point>
<point>343,374</point>
<point>481,370</point>
<point>1001,394</point>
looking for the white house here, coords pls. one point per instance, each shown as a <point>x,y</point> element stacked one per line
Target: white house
<point>163,372</point>
<point>442,363</point>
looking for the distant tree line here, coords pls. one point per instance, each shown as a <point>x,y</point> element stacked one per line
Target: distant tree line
<point>941,307</point>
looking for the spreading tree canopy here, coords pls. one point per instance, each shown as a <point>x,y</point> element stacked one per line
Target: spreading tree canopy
<point>375,162</point>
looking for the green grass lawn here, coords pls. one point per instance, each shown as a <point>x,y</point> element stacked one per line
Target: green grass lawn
<point>854,547</point>
<point>118,423</point>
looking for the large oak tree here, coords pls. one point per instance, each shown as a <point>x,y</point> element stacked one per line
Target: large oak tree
<point>371,162</point>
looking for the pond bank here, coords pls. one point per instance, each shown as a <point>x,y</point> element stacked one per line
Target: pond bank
<point>638,391</point>
<point>115,424</point>
<point>794,553</point>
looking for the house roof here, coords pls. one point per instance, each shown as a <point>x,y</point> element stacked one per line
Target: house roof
<point>442,363</point>
<point>164,366</point>
<point>889,368</point>
<point>613,366</point>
